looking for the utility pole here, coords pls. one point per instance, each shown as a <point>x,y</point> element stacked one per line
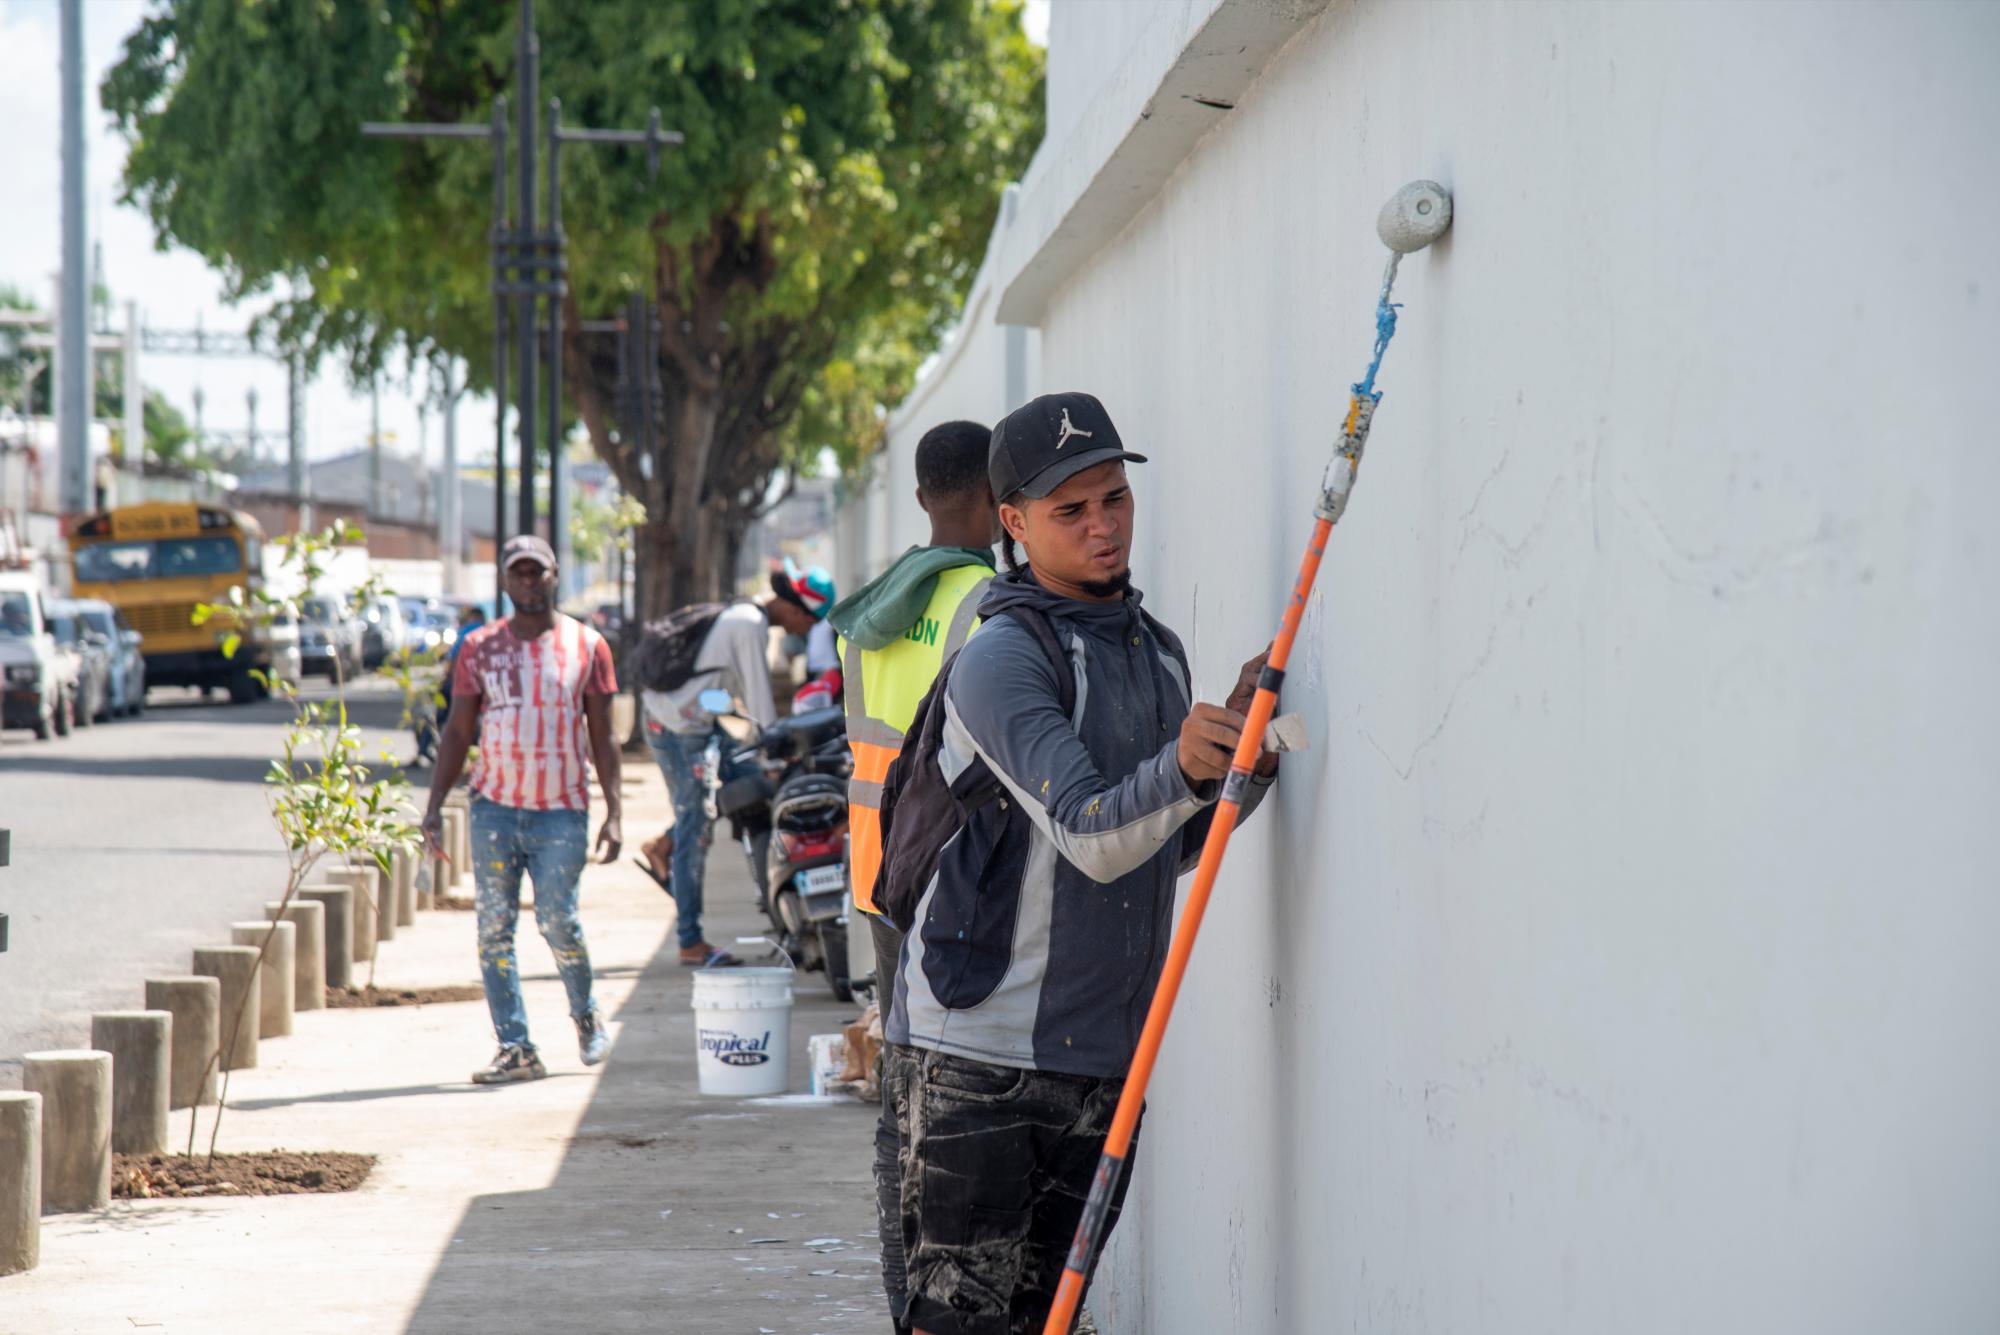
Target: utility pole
<point>451,505</point>
<point>636,404</point>
<point>250,402</point>
<point>529,265</point>
<point>374,445</point>
<point>132,450</point>
<point>73,355</point>
<point>528,83</point>
<point>295,430</point>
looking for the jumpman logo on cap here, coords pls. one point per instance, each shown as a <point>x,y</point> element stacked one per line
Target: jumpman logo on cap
<point>1070,429</point>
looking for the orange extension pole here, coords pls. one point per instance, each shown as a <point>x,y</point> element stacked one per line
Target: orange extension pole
<point>1425,213</point>
<point>1118,1144</point>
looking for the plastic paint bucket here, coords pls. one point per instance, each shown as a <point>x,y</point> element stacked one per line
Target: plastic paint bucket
<point>743,1030</point>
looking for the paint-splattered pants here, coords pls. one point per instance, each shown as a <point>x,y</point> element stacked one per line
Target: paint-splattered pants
<point>996,1165</point>
<point>551,847</point>
<point>680,757</point>
<point>898,1063</point>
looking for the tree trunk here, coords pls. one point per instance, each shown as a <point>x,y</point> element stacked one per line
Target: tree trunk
<point>682,565</point>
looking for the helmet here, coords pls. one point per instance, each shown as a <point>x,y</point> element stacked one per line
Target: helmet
<point>811,589</point>
<point>815,694</point>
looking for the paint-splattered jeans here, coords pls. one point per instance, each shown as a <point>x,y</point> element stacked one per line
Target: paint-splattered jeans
<point>680,758</point>
<point>551,847</point>
<point>898,1065</point>
<point>996,1165</point>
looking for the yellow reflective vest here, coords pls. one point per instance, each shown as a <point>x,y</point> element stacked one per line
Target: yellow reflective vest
<point>883,689</point>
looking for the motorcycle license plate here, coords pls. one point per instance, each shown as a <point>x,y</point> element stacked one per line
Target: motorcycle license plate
<point>817,881</point>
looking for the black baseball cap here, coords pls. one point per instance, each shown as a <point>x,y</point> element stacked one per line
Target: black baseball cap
<point>527,547</point>
<point>1047,441</point>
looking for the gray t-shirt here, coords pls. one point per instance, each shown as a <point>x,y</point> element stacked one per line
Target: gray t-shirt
<point>731,659</point>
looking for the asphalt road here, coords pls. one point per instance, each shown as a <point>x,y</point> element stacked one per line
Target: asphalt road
<point>134,842</point>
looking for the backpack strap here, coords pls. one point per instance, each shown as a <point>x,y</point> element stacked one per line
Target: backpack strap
<point>1036,622</point>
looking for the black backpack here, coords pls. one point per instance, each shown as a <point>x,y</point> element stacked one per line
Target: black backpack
<point>921,812</point>
<point>664,660</point>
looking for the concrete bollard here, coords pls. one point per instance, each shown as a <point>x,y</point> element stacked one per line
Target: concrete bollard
<point>404,864</point>
<point>75,1085</point>
<point>454,847</point>
<point>236,968</point>
<point>361,880</point>
<point>277,977</point>
<point>382,890</point>
<point>427,877</point>
<point>336,903</point>
<point>20,1181</point>
<point>141,1047</point>
<point>308,920</point>
<point>196,1005</point>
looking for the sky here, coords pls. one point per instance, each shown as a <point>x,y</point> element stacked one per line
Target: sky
<point>176,289</point>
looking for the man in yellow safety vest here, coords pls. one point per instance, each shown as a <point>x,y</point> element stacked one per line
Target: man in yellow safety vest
<point>896,633</point>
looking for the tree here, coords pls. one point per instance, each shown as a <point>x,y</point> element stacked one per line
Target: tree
<point>802,250</point>
<point>322,795</point>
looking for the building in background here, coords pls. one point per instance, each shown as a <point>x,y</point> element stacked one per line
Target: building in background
<point>801,527</point>
<point>1617,957</point>
<point>401,521</point>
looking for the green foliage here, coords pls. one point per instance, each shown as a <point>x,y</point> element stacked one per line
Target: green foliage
<point>597,528</point>
<point>323,796</point>
<point>804,248</point>
<point>169,437</point>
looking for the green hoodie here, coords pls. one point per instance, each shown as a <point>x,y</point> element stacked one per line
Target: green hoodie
<point>877,614</point>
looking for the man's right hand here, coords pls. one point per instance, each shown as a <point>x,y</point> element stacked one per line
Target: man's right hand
<point>1208,740</point>
<point>433,832</point>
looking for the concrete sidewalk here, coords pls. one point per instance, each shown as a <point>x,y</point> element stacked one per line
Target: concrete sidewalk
<point>599,1200</point>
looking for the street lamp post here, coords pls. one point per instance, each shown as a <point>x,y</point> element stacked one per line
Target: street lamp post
<point>529,264</point>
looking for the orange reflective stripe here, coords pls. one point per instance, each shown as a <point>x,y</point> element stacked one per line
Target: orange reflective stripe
<point>871,762</point>
<point>864,819</point>
<point>864,854</point>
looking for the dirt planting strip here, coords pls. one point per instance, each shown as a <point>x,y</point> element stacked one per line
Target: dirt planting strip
<point>340,998</point>
<point>268,1173</point>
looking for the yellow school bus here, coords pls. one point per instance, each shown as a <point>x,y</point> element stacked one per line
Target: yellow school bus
<point>155,562</point>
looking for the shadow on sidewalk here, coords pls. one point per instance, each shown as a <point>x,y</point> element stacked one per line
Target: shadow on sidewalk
<point>370,1095</point>
<point>675,1212</point>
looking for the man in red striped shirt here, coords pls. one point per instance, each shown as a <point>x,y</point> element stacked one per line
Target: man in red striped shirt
<point>530,688</point>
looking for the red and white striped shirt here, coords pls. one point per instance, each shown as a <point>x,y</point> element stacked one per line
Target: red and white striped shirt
<point>533,744</point>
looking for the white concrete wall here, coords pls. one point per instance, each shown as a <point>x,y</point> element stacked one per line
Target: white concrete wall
<point>1621,956</point>
<point>1090,40</point>
<point>968,379</point>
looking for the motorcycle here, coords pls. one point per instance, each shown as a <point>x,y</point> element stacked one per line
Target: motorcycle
<point>784,793</point>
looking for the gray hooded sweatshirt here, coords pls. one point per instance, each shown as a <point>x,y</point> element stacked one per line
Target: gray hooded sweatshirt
<point>1042,934</point>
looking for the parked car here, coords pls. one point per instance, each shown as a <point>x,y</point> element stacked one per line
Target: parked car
<point>36,695</point>
<point>93,661</point>
<point>286,662</point>
<point>429,624</point>
<point>382,631</point>
<point>328,637</point>
<point>106,625</point>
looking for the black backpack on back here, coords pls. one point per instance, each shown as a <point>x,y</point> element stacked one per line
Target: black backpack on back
<point>921,812</point>
<point>664,660</point>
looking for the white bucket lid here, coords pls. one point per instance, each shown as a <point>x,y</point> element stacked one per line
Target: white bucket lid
<point>742,989</point>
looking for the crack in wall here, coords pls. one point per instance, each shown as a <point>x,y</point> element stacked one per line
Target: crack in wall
<point>1730,575</point>
<point>1514,612</point>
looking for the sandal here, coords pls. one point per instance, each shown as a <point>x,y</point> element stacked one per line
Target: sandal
<point>657,879</point>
